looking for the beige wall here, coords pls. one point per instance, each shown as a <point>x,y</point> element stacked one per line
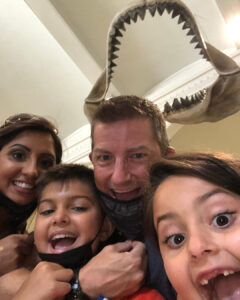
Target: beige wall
<point>218,136</point>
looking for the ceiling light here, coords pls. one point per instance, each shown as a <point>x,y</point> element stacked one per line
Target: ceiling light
<point>233,28</point>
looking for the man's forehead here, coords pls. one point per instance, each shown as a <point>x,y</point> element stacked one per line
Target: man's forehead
<point>118,124</point>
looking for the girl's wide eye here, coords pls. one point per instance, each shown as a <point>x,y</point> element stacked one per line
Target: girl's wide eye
<point>223,220</point>
<point>175,240</point>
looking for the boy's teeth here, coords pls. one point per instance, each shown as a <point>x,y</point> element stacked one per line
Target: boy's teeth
<point>62,236</point>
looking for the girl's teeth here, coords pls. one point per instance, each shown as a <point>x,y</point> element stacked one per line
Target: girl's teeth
<point>204,282</point>
<point>226,273</point>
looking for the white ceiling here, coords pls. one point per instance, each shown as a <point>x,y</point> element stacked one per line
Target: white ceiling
<point>52,51</point>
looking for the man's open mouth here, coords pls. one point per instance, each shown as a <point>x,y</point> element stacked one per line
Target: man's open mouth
<point>224,286</point>
<point>126,195</point>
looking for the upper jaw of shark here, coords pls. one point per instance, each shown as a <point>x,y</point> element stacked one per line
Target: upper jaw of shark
<point>209,104</point>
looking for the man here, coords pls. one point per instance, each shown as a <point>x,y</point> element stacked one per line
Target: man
<point>128,136</point>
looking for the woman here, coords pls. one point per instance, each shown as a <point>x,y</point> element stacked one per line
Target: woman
<point>194,216</point>
<point>29,145</point>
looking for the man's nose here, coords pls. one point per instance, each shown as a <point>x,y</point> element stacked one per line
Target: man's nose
<point>201,244</point>
<point>121,172</point>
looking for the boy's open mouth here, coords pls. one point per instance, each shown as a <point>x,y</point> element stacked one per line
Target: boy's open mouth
<point>62,242</point>
<point>222,286</point>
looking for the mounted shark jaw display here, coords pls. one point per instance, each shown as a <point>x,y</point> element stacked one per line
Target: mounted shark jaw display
<point>210,104</point>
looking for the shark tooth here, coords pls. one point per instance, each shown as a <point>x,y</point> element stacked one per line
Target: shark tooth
<point>167,107</point>
<point>160,8</point>
<point>115,41</point>
<point>141,12</point>
<point>198,46</point>
<point>175,13</point>
<point>127,19</point>
<point>194,40</point>
<point>185,101</point>
<point>169,8</point>
<point>113,56</point>
<point>133,15</point>
<point>113,48</point>
<point>112,64</point>
<point>118,32</point>
<point>186,25</point>
<point>180,19</point>
<point>152,9</point>
<point>191,32</point>
<point>121,24</point>
<point>202,52</point>
<point>176,104</point>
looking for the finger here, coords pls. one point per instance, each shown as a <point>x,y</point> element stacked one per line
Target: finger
<point>64,275</point>
<point>62,289</point>
<point>123,246</point>
<point>138,248</point>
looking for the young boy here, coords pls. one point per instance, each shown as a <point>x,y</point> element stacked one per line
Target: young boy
<point>194,214</point>
<point>69,229</point>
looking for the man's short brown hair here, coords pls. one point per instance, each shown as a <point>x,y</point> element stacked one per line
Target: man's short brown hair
<point>131,107</point>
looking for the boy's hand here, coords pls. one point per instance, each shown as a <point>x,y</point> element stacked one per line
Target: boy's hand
<point>48,281</point>
<point>13,249</point>
<point>118,270</point>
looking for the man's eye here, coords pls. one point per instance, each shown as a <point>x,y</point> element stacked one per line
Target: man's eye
<point>175,240</point>
<point>222,220</point>
<point>103,158</point>
<point>138,155</point>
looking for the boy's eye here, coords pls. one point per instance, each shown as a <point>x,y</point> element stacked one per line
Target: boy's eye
<point>175,240</point>
<point>223,220</point>
<point>46,212</point>
<point>79,208</point>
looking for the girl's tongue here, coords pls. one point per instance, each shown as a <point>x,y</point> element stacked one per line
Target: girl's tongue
<point>62,244</point>
<point>227,288</point>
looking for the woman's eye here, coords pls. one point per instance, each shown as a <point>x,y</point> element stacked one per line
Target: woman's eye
<point>223,220</point>
<point>47,163</point>
<point>18,155</point>
<point>175,240</point>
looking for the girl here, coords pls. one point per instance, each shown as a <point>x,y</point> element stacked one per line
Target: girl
<point>193,214</point>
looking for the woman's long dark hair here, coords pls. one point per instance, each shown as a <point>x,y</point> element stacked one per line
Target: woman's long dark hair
<point>16,124</point>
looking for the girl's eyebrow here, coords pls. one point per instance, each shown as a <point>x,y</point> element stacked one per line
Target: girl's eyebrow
<point>165,217</point>
<point>200,199</point>
<point>211,193</point>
